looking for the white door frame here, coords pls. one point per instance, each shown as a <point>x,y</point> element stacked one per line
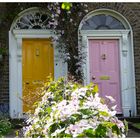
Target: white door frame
<point>127,72</point>
<point>15,66</point>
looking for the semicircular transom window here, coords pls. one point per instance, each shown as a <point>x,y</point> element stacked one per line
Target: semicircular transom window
<point>33,20</point>
<point>102,22</point>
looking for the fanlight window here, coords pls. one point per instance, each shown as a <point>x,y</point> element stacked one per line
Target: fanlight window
<point>33,20</point>
<point>102,22</point>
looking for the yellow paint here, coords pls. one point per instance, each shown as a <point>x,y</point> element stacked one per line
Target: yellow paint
<point>37,65</point>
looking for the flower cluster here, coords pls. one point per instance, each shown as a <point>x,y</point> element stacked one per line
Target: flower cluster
<point>70,110</point>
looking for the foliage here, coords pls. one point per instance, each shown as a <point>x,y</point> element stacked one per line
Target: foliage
<point>137,125</point>
<point>66,5</point>
<point>2,50</point>
<point>70,110</point>
<point>66,19</point>
<point>5,126</point>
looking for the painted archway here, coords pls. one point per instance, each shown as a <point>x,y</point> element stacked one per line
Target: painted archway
<point>108,25</point>
<point>29,26</point>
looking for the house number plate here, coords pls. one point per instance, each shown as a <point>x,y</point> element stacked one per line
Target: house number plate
<point>104,77</point>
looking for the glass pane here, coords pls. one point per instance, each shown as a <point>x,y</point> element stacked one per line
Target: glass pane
<point>34,20</point>
<point>102,22</point>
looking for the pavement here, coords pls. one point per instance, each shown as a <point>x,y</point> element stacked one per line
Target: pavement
<point>133,134</point>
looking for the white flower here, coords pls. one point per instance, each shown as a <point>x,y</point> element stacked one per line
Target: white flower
<point>110,98</point>
<point>57,132</point>
<point>114,107</point>
<point>82,91</point>
<point>112,113</point>
<point>86,10</point>
<point>123,136</point>
<point>120,124</point>
<point>103,107</point>
<point>58,11</point>
<point>71,20</point>
<point>62,104</point>
<point>75,130</point>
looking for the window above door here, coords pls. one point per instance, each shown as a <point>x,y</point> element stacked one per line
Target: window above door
<point>102,22</point>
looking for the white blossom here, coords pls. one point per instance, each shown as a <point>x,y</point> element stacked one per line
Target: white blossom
<point>110,98</point>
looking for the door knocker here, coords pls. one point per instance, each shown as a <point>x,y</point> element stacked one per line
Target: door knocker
<point>103,56</point>
<point>37,52</point>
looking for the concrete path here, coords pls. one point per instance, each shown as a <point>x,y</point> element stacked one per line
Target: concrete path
<point>133,134</point>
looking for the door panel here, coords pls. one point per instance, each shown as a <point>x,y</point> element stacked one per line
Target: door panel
<point>37,65</point>
<point>104,68</point>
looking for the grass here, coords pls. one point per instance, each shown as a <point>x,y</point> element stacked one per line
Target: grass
<point>137,125</point>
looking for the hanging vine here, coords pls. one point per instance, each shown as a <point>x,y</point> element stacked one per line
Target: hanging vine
<point>66,18</point>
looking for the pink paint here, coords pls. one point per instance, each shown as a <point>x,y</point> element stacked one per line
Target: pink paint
<point>105,68</point>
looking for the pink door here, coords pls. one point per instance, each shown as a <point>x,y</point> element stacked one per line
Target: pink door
<point>105,68</point>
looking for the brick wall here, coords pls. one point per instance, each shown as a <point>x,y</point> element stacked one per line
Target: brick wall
<point>131,11</point>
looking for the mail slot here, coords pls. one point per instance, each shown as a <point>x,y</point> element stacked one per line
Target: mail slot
<point>104,77</point>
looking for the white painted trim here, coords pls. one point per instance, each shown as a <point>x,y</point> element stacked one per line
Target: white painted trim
<point>96,33</point>
<point>125,48</point>
<point>39,33</point>
<point>15,65</point>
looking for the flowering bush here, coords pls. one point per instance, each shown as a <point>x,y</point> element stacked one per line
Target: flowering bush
<point>70,110</point>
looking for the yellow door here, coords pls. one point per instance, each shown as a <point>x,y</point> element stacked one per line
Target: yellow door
<point>37,65</point>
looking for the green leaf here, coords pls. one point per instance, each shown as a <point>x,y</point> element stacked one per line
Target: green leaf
<point>89,133</point>
<point>68,136</point>
<point>103,113</point>
<point>49,110</point>
<point>53,127</point>
<point>96,89</point>
<point>115,129</point>
<point>126,125</point>
<point>66,6</point>
<point>108,124</point>
<point>86,111</point>
<point>101,131</point>
<point>82,135</point>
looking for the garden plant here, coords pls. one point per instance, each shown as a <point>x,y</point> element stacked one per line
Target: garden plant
<point>70,110</point>
<point>5,126</point>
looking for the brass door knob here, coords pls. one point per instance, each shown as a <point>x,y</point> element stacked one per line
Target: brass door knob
<point>27,83</point>
<point>93,77</point>
<point>103,56</point>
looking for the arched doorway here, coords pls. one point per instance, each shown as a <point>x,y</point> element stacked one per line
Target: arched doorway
<point>107,40</point>
<point>33,56</point>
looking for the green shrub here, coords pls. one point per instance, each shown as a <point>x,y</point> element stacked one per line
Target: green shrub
<point>5,126</point>
<point>71,110</point>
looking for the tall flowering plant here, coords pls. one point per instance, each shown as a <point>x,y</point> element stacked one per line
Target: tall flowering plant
<point>70,110</point>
